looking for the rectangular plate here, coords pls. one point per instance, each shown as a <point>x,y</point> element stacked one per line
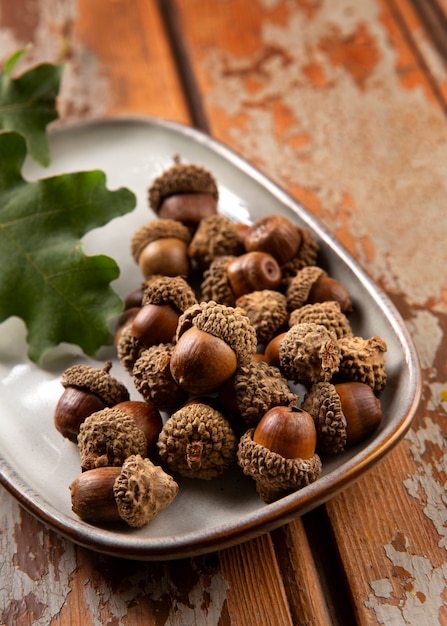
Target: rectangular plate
<point>37,464</point>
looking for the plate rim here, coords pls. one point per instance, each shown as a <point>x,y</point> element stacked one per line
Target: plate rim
<point>273,515</point>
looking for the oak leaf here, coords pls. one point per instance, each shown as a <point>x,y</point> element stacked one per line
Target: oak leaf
<point>61,294</point>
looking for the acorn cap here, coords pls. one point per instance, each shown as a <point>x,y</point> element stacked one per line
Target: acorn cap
<point>197,441</point>
<point>142,490</point>
<point>97,381</point>
<point>128,349</point>
<point>173,290</point>
<point>181,178</point>
<point>323,403</point>
<point>267,311</point>
<point>215,285</point>
<point>299,286</point>
<point>308,353</point>
<point>363,360</point>
<point>327,314</point>
<point>153,379</point>
<point>227,323</point>
<point>157,229</point>
<point>108,437</point>
<point>259,387</point>
<point>306,255</point>
<point>216,235</point>
<point>275,476</point>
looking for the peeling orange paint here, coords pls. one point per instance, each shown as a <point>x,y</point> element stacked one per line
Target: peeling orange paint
<point>409,72</point>
<point>358,53</point>
<point>283,117</point>
<point>315,73</point>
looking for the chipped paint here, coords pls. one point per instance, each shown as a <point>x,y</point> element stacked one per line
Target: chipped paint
<point>40,585</point>
<point>414,596</point>
<point>388,148</point>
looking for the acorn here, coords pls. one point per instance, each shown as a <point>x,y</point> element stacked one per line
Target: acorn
<point>161,247</point>
<point>152,378</point>
<point>327,314</point>
<point>253,390</point>
<point>279,453</point>
<point>215,236</point>
<point>345,414</point>
<point>211,341</point>
<point>308,353</point>
<point>108,437</point>
<point>288,431</point>
<point>135,493</point>
<point>363,360</point>
<point>87,389</point>
<point>186,192</point>
<point>267,311</point>
<point>312,284</point>
<point>146,416</point>
<point>197,441</point>
<point>163,301</point>
<point>229,278</point>
<point>274,234</point>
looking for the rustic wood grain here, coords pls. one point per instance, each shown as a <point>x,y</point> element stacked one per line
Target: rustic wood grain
<point>275,81</point>
<point>343,104</point>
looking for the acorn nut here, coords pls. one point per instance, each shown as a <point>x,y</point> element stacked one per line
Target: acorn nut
<point>161,247</point>
<point>274,234</point>
<point>134,493</point>
<point>270,452</point>
<point>197,441</point>
<point>87,389</point>
<point>108,437</point>
<point>344,414</point>
<point>185,192</point>
<point>211,341</point>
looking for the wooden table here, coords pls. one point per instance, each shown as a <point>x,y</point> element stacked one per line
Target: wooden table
<point>343,103</point>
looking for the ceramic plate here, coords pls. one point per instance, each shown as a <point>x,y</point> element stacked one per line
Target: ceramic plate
<point>37,464</point>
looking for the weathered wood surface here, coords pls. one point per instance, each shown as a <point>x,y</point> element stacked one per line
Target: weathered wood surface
<point>343,103</point>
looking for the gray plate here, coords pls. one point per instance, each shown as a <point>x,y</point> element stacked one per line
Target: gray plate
<point>37,464</point>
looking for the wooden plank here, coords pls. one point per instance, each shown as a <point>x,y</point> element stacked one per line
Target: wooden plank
<point>424,27</point>
<point>254,596</point>
<point>335,103</point>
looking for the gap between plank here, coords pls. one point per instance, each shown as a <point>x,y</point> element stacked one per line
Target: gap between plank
<point>176,36</point>
<point>400,20</point>
<point>327,563</point>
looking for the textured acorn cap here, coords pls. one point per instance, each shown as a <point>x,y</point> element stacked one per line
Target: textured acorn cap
<point>157,229</point>
<point>326,314</point>
<point>108,437</point>
<point>215,285</point>
<point>153,379</point>
<point>128,349</point>
<point>197,441</point>
<point>97,381</point>
<point>306,255</point>
<point>363,360</point>
<point>323,403</point>
<point>267,311</point>
<point>173,290</point>
<point>259,387</point>
<point>299,286</point>
<point>215,236</point>
<point>308,353</point>
<point>181,178</point>
<point>274,475</point>
<point>227,323</point>
<point>142,490</point>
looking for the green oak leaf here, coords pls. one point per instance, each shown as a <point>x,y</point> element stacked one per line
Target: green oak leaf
<point>28,103</point>
<point>46,280</point>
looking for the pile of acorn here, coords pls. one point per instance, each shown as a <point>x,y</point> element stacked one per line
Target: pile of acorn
<point>228,320</point>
